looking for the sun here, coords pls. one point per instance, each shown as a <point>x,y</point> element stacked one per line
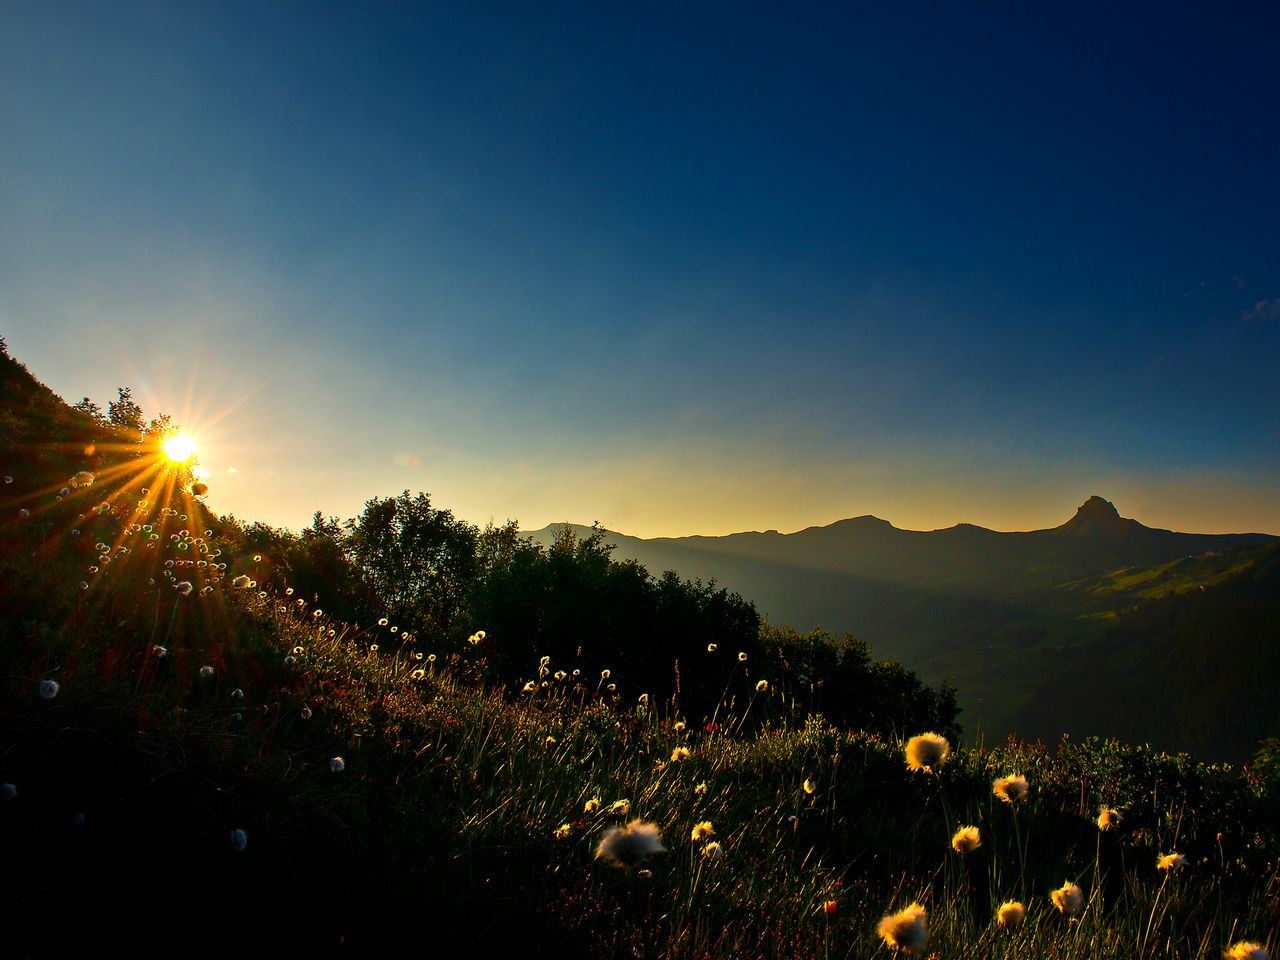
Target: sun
<point>180,448</point>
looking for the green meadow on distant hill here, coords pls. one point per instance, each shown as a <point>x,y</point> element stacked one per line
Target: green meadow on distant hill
<point>401,734</point>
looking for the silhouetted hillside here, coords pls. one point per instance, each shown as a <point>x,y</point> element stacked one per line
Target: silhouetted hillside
<point>1000,613</point>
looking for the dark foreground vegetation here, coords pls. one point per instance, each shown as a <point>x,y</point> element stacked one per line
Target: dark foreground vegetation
<point>404,734</point>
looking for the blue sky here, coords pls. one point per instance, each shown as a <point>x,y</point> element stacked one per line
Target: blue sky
<point>677,271</point>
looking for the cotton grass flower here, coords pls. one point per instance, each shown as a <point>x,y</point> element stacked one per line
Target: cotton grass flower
<point>206,672</point>
<point>810,786</point>
<point>905,930</point>
<point>742,657</point>
<point>712,850</point>
<point>1011,914</point>
<point>562,831</point>
<point>629,845</point>
<point>604,674</point>
<point>241,582</point>
<point>49,689</point>
<point>1068,899</point>
<point>703,830</point>
<point>1010,789</point>
<point>418,674</point>
<point>620,807</point>
<point>681,754</point>
<point>965,840</point>
<point>927,751</point>
<point>1171,862</point>
<point>762,686</point>
<point>712,648</point>
<point>1245,950</point>
<point>184,587</point>
<point>1108,819</point>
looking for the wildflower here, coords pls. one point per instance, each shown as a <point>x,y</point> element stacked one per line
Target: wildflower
<point>965,840</point>
<point>700,790</point>
<point>305,712</point>
<point>530,687</point>
<point>829,908</point>
<point>562,831</point>
<point>712,850</point>
<point>160,651</point>
<point>629,845</point>
<point>591,806</point>
<point>680,753</point>
<point>239,840</point>
<point>742,658</point>
<point>1010,789</point>
<point>431,658</point>
<point>612,687</point>
<point>23,513</point>
<point>810,787</point>
<point>620,807</point>
<point>480,635</point>
<point>418,674</point>
<point>206,672</point>
<point>712,648</point>
<point>337,765</point>
<point>560,675</point>
<point>1011,914</point>
<point>49,689</point>
<point>906,929</point>
<point>544,661</point>
<point>184,587</point>
<point>1068,899</point>
<point>8,790</point>
<point>1108,819</point>
<point>927,751</point>
<point>297,650</point>
<point>1245,950</point>
<point>644,700</point>
<point>241,582</point>
<point>373,648</point>
<point>762,686</point>
<point>550,740</point>
<point>84,585</point>
<point>703,830</point>
<point>678,726</point>
<point>1171,862</point>
<point>382,621</point>
<point>604,674</point>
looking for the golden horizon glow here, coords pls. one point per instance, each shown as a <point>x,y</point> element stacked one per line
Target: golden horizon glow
<point>180,448</point>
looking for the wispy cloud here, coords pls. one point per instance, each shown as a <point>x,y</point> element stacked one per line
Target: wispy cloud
<point>1263,310</point>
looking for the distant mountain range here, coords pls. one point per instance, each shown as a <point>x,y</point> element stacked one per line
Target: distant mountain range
<point>1005,614</point>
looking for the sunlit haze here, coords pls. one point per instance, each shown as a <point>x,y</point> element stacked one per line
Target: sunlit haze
<point>673,270</point>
